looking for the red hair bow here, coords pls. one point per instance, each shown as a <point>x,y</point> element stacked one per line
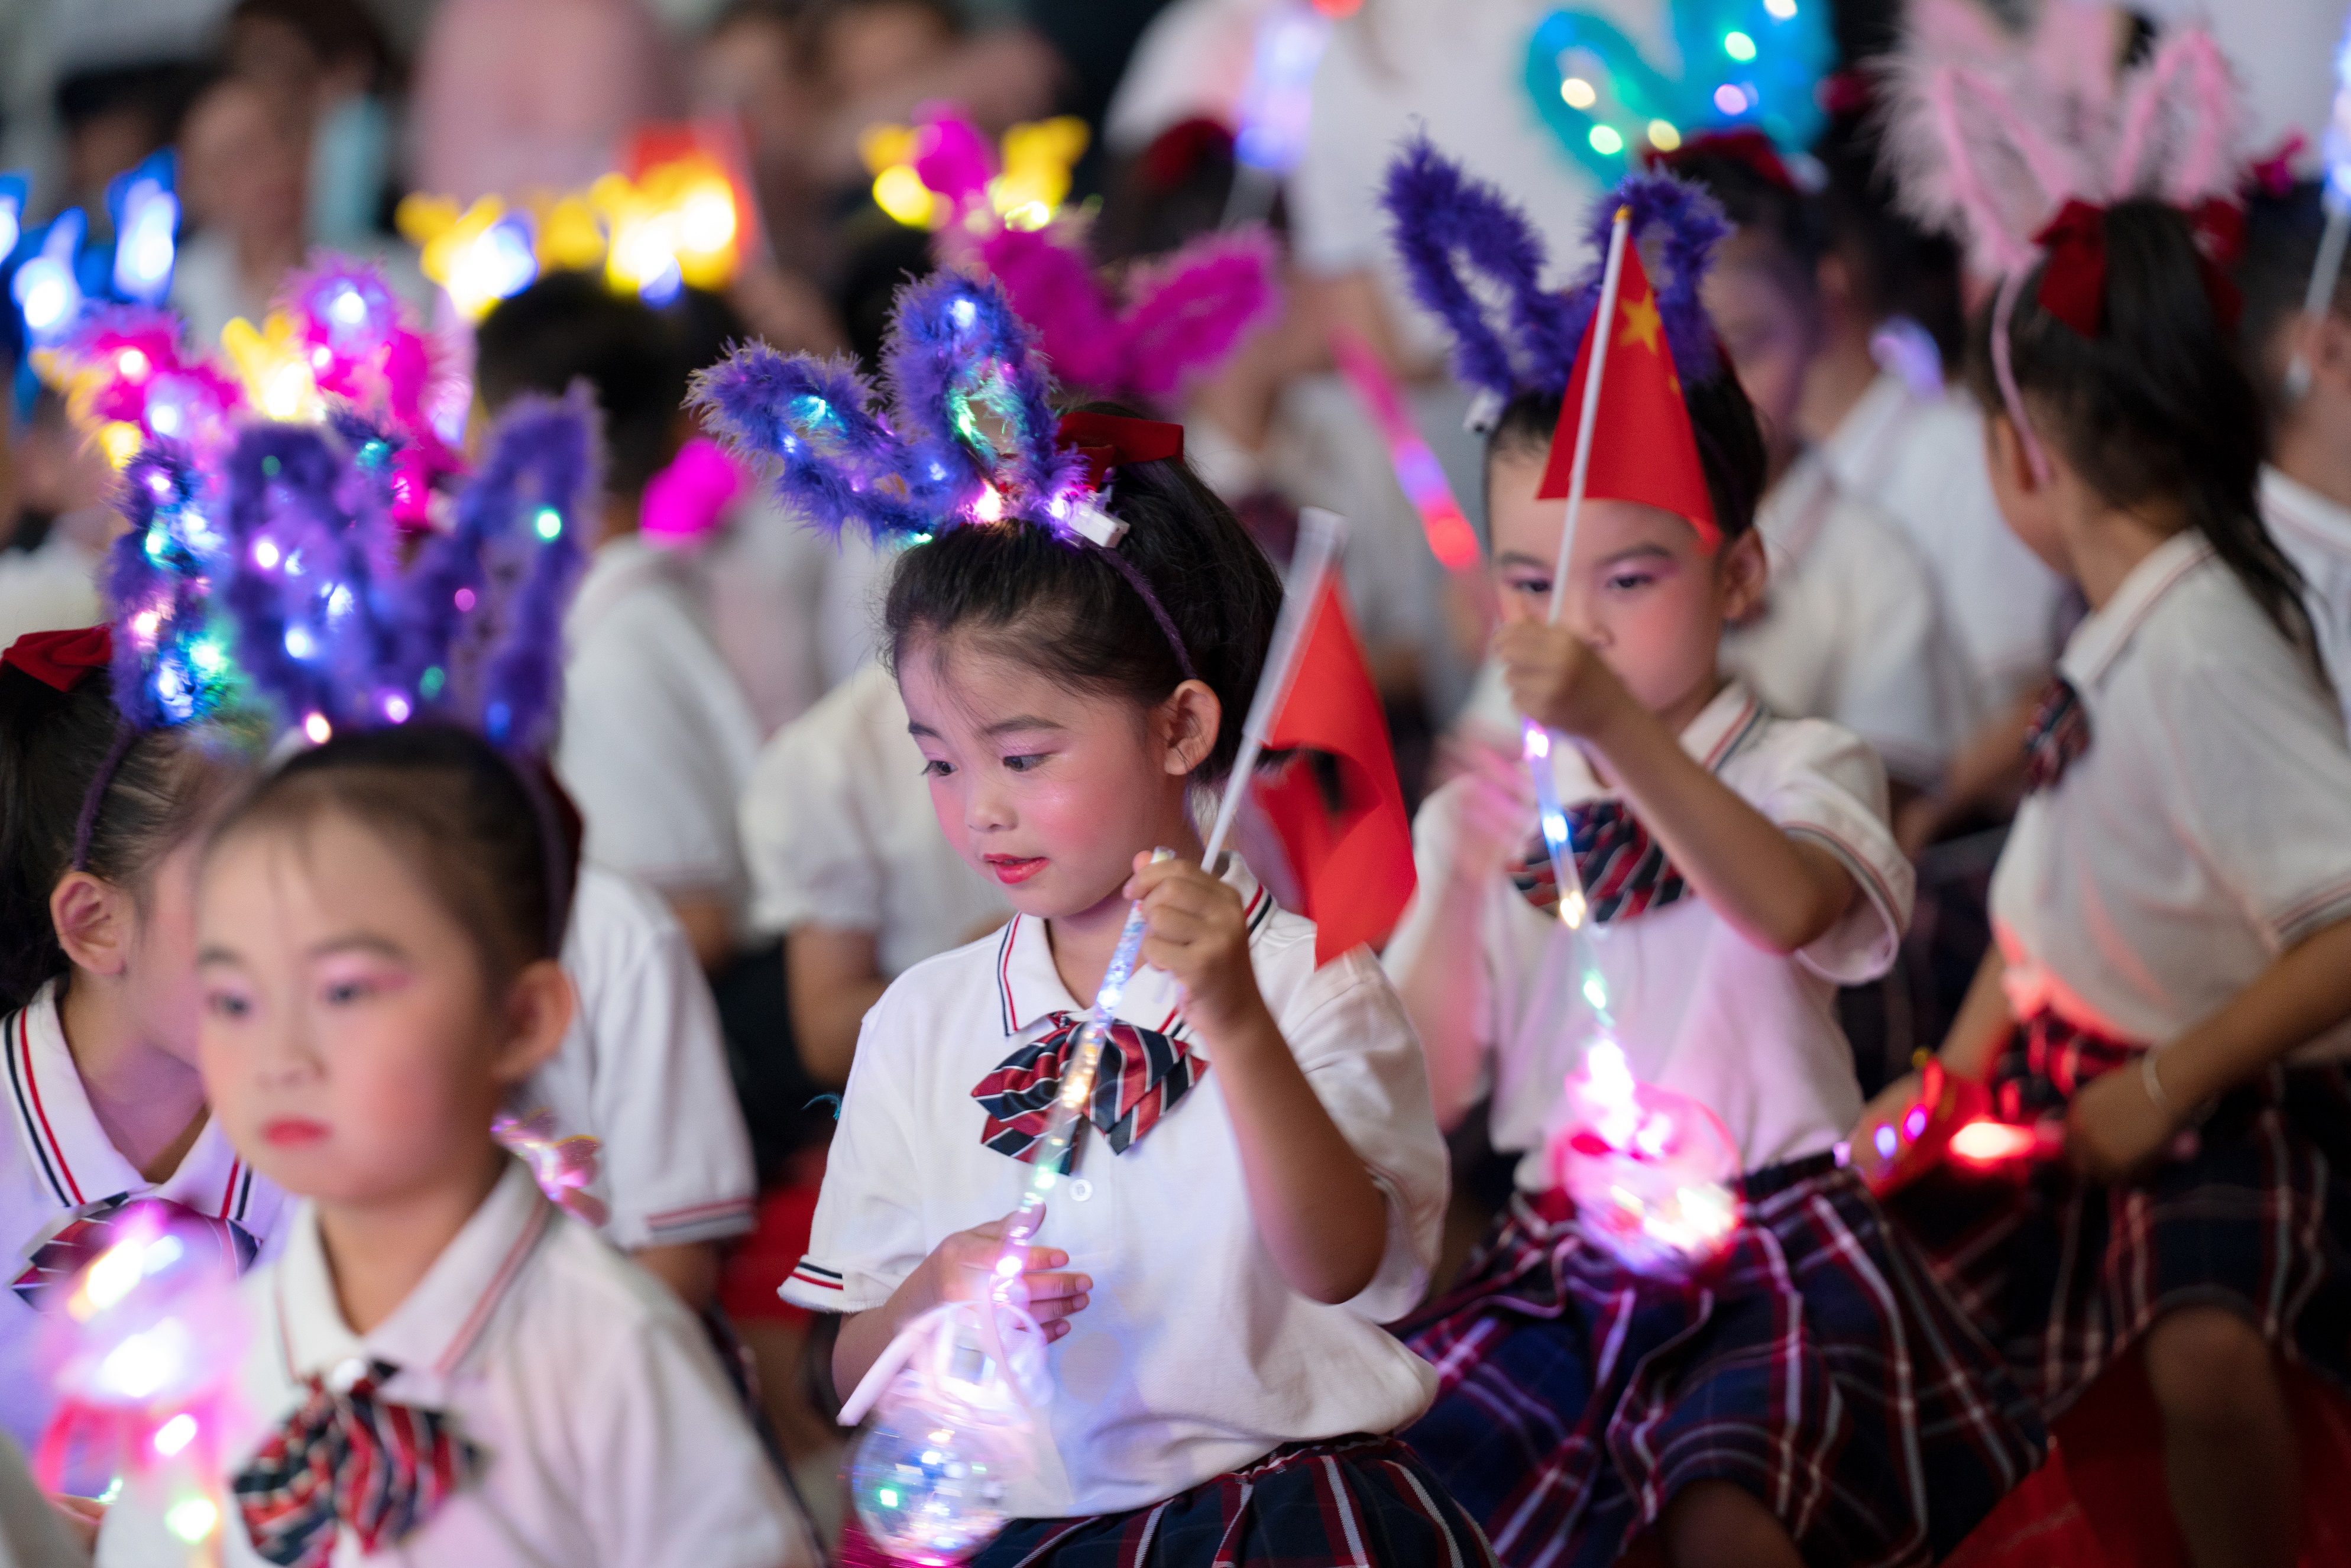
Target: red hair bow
<point>61,660</point>
<point>2074,281</point>
<point>1108,440</point>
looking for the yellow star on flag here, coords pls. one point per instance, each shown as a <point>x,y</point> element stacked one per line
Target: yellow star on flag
<point>1641,324</point>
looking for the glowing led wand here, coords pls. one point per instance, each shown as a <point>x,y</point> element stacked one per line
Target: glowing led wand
<point>1539,741</point>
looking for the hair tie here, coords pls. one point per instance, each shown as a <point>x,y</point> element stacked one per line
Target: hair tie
<point>62,660</point>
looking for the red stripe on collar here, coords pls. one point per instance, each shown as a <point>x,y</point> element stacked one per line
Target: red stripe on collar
<point>542,1215</point>
<point>33,1088</point>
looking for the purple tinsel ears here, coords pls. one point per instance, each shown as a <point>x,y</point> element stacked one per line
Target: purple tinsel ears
<point>956,348</point>
<point>327,621</point>
<point>1457,236</point>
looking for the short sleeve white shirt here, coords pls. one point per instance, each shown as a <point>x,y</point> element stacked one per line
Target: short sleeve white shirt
<point>55,1160</point>
<point>1852,629</point>
<point>763,577</point>
<point>840,831</point>
<point>657,736</point>
<point>1699,1009</point>
<point>609,1433</point>
<point>1193,1357</point>
<point>2206,829</point>
<point>643,1071</point>
<point>1920,462</point>
<point>2315,534</point>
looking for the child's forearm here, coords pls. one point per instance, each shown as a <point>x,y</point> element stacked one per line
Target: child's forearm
<point>1313,1201</point>
<point>1779,892</point>
<point>865,1336</point>
<point>1439,977</point>
<point>1983,1023</point>
<point>2305,991</point>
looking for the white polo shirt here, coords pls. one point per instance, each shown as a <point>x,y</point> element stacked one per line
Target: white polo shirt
<point>1700,1009</point>
<point>840,831</point>
<point>643,1071</point>
<point>1920,462</point>
<point>2315,534</point>
<point>657,736</point>
<point>1193,1357</point>
<point>609,1432</point>
<point>1852,629</point>
<point>54,1159</point>
<point>2206,829</point>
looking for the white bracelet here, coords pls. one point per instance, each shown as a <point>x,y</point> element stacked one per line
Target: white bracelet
<point>2153,1084</point>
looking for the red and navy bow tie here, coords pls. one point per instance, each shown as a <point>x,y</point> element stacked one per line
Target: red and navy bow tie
<point>350,1457</point>
<point>2059,735</point>
<point>1142,1075</point>
<point>1625,871</point>
<point>53,1263</point>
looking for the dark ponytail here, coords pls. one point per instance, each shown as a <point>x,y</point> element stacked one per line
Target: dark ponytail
<point>2156,407</point>
<point>1069,610</point>
<point>1730,444</point>
<point>53,744</point>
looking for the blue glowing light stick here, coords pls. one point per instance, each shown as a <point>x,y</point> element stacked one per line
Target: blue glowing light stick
<point>146,230</point>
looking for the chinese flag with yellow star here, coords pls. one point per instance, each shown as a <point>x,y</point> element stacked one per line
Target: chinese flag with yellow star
<point>1642,448</point>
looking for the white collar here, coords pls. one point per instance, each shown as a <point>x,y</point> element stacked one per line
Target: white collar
<point>1029,989</point>
<point>430,1333</point>
<point>2099,640</point>
<point>1719,732</point>
<point>2295,507</point>
<point>75,1159</point>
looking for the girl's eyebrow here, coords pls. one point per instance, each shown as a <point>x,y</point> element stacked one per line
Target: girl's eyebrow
<point>1630,551</point>
<point>359,942</point>
<point>212,954</point>
<point>1025,721</point>
<point>1519,558</point>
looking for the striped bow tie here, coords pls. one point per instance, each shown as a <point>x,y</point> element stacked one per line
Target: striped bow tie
<point>2059,735</point>
<point>1625,871</point>
<point>59,1256</point>
<point>1142,1075</point>
<point>351,1459</point>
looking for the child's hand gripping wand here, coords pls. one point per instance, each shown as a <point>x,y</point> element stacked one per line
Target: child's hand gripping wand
<point>1649,1170</point>
<point>963,1381</point>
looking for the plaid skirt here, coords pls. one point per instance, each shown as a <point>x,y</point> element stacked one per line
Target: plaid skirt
<point>2066,1275</point>
<point>1360,1501</point>
<point>1816,1364</point>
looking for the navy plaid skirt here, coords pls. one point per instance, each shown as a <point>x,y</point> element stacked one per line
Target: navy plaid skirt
<point>2066,1275</point>
<point>1360,1501</point>
<point>1815,1365</point>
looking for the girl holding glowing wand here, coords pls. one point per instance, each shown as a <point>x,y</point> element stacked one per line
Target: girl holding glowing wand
<point>1800,1390</point>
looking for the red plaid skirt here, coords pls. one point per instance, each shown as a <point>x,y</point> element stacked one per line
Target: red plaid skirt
<point>2066,1275</point>
<point>1358,1502</point>
<point>1816,1364</point>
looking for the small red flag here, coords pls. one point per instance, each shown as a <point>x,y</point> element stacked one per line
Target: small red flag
<point>1642,447</point>
<point>1353,862</point>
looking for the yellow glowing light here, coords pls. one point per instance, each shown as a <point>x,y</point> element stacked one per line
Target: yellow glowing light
<point>121,441</point>
<point>457,250</point>
<point>570,236</point>
<point>191,1518</point>
<point>1578,93</point>
<point>678,220</point>
<point>1605,141</point>
<point>1663,136</point>
<point>273,366</point>
<point>1037,157</point>
<point>1028,215</point>
<point>900,192</point>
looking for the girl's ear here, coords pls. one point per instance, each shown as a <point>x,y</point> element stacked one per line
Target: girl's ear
<point>1191,719</point>
<point>96,922</point>
<point>1743,574</point>
<point>539,1012</point>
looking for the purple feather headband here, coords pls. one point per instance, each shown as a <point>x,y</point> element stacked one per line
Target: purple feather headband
<point>1456,235</point>
<point>956,348</point>
<point>328,623</point>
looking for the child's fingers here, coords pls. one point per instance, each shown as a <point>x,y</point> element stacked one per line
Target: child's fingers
<point>1053,1313</point>
<point>1050,1286</point>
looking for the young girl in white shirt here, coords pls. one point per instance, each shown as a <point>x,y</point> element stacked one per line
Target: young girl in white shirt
<point>99,832</point>
<point>1262,1184</point>
<point>2173,908</point>
<point>441,1364</point>
<point>1810,1395</point>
